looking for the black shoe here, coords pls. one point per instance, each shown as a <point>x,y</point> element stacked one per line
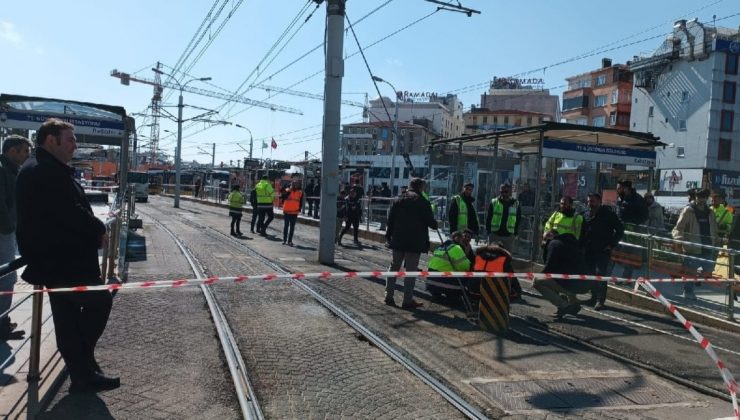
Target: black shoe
<point>290,244</point>
<point>571,309</point>
<point>239,234</point>
<point>96,367</point>
<point>599,306</point>
<point>390,302</point>
<point>8,331</point>
<point>412,305</point>
<point>96,382</point>
<point>234,234</point>
<point>251,230</point>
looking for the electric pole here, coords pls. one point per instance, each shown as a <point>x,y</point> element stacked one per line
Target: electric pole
<point>334,71</point>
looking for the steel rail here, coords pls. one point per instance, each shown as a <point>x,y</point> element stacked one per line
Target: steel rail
<point>244,390</point>
<point>454,399</point>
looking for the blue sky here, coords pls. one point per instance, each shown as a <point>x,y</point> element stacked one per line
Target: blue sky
<point>67,50</point>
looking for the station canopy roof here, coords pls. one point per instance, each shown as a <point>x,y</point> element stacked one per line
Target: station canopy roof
<point>525,140</point>
<point>94,123</point>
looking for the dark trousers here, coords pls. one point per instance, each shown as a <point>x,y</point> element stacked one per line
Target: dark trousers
<point>255,215</point>
<point>354,222</point>
<point>289,227</point>
<point>79,321</point>
<point>315,209</point>
<point>236,220</point>
<point>265,218</point>
<point>597,264</point>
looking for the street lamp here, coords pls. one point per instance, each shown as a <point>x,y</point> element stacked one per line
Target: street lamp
<point>394,139</point>
<point>251,139</point>
<point>179,130</point>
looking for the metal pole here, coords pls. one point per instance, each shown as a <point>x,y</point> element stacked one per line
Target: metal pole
<point>459,169</point>
<point>334,71</point>
<point>394,140</point>
<point>37,313</point>
<point>536,235</point>
<point>730,289</point>
<point>178,151</point>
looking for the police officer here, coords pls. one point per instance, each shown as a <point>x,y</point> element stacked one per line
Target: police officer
<point>265,197</point>
<point>462,213</point>
<point>454,254</point>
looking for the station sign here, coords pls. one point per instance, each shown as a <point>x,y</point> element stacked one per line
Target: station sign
<point>84,125</point>
<point>597,153</point>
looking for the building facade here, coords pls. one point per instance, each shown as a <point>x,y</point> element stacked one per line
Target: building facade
<point>507,94</point>
<point>374,138</point>
<point>686,94</point>
<point>444,113</point>
<point>600,98</point>
<point>482,120</point>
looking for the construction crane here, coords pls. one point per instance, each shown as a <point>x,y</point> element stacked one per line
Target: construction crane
<point>159,85</point>
<point>304,94</point>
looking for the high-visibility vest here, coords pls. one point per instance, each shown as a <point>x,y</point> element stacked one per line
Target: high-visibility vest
<point>432,205</point>
<point>264,193</point>
<point>236,199</point>
<point>563,224</point>
<point>449,257</point>
<point>462,212</point>
<point>724,216</point>
<point>293,202</point>
<point>498,212</point>
<point>495,265</point>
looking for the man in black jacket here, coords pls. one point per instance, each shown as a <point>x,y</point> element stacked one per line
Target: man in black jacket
<point>15,151</point>
<point>601,233</point>
<point>409,221</point>
<point>59,237</point>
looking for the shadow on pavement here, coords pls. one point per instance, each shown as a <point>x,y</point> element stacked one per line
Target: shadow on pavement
<point>77,406</point>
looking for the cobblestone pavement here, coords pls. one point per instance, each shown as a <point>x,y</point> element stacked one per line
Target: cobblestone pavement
<point>303,361</point>
<point>468,359</point>
<point>162,343</point>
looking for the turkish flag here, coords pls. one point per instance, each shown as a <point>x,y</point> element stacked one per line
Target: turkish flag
<point>273,144</point>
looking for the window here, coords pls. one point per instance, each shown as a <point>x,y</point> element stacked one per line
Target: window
<point>506,120</point>
<point>650,111</point>
<point>582,121</point>
<point>495,120</point>
<point>600,101</point>
<point>598,121</point>
<point>731,63</point>
<point>485,120</point>
<point>728,92</point>
<point>615,96</point>
<point>635,100</point>
<point>680,152</point>
<point>529,121</point>
<point>601,80</point>
<point>724,151</point>
<point>613,118</point>
<point>681,125</point>
<point>726,120</point>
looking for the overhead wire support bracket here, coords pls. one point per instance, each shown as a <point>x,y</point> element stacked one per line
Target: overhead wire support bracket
<point>448,6</point>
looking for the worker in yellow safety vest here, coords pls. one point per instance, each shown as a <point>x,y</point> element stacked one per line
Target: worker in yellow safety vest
<point>454,254</point>
<point>502,221</point>
<point>722,213</point>
<point>564,221</point>
<point>265,197</point>
<point>236,201</point>
<point>462,213</point>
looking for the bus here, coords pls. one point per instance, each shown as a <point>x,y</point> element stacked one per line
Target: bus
<point>140,181</point>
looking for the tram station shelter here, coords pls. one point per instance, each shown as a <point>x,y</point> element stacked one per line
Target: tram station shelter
<point>542,163</point>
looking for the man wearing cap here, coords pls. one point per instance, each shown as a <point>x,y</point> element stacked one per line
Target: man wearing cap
<point>462,213</point>
<point>696,223</point>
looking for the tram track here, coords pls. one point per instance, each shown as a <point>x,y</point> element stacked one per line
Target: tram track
<point>237,368</point>
<point>614,353</point>
<point>453,398</point>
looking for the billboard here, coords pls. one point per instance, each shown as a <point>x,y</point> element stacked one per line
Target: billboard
<point>680,180</point>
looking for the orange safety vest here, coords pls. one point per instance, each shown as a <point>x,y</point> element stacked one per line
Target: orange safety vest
<point>490,266</point>
<point>293,202</point>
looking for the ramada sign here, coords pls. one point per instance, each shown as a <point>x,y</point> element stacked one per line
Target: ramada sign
<point>515,83</point>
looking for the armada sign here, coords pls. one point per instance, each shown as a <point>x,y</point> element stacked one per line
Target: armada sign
<point>406,96</point>
<point>515,83</point>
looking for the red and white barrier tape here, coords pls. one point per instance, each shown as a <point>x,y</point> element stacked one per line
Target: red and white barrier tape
<point>364,274</point>
<point>703,342</point>
<point>645,283</point>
